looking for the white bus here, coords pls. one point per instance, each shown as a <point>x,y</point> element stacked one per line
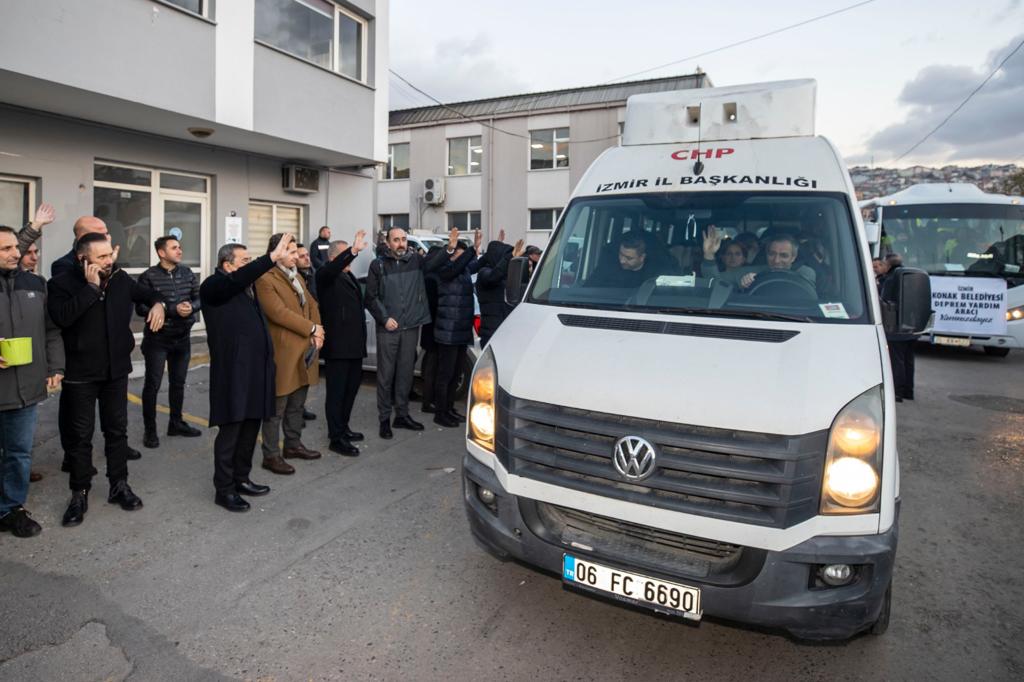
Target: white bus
<point>972,245</point>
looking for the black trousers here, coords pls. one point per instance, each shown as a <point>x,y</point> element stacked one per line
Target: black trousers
<point>77,422</point>
<point>429,374</point>
<point>343,380</point>
<point>232,453</point>
<point>901,355</point>
<point>448,358</point>
<point>174,353</point>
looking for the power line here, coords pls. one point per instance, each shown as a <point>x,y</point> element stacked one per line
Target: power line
<point>961,105</point>
<point>747,40</point>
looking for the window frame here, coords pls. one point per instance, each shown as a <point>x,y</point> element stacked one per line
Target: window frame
<point>335,58</point>
<point>388,170</point>
<point>468,228</point>
<point>469,157</point>
<point>30,205</point>
<point>205,8</point>
<point>554,212</point>
<point>387,220</point>
<point>556,144</point>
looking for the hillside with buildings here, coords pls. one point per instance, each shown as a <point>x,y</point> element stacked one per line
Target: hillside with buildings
<point>875,182</point>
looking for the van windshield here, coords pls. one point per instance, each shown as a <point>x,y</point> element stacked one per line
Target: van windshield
<point>736,254</point>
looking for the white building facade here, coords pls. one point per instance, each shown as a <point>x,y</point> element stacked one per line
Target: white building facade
<point>504,163</point>
<point>225,119</point>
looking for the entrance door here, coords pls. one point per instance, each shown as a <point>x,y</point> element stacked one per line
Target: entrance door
<point>186,219</point>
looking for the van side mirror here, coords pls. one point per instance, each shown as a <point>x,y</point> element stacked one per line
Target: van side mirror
<point>873,231</point>
<point>910,307</point>
<point>518,278</point>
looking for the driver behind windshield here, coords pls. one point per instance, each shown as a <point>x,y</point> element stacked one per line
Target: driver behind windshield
<point>781,254</point>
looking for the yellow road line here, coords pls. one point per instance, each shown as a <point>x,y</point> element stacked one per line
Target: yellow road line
<point>163,409</point>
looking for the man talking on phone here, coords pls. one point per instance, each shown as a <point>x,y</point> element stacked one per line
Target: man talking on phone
<point>92,304</point>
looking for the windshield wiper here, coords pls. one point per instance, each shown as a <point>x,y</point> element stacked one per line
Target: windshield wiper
<point>721,312</point>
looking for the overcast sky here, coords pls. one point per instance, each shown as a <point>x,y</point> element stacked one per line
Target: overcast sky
<point>887,72</point>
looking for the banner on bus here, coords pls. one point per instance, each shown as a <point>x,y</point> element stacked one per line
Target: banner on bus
<point>969,305</point>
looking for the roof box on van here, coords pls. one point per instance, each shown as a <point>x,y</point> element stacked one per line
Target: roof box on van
<point>739,112</point>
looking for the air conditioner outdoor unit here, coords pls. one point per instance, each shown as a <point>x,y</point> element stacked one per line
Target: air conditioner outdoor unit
<point>300,179</point>
<point>433,191</point>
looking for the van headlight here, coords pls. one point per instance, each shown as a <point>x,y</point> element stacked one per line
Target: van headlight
<point>1014,314</point>
<point>854,459</point>
<point>483,388</point>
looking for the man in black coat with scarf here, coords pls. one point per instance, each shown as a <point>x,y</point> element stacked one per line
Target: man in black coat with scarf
<point>242,372</point>
<point>453,325</point>
<point>341,310</point>
<point>92,304</point>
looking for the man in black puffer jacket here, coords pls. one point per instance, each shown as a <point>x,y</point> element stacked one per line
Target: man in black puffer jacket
<point>453,326</point>
<point>490,286</point>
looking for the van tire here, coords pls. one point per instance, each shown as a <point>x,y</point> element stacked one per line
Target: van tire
<point>463,373</point>
<point>882,624</point>
<point>996,351</point>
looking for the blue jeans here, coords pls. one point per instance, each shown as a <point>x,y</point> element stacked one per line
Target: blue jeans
<point>17,427</point>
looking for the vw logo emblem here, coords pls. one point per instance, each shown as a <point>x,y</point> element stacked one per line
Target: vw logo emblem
<point>634,458</point>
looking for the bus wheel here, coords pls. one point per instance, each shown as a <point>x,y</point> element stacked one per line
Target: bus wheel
<point>996,351</point>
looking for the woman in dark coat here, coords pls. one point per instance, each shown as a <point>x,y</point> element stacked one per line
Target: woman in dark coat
<point>490,288</point>
<point>453,323</point>
<point>242,373</point>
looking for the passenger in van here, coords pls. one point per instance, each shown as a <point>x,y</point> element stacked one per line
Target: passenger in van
<point>632,267</point>
<point>751,246</point>
<point>781,254</point>
<point>731,255</point>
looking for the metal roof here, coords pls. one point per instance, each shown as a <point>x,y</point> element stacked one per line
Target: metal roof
<point>518,105</point>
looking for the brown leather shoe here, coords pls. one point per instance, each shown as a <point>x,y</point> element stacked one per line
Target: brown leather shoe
<point>35,476</point>
<point>301,452</point>
<point>278,466</point>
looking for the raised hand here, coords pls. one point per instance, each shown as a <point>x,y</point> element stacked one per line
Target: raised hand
<point>712,240</point>
<point>477,238</point>
<point>359,243</point>
<point>453,239</point>
<point>519,249</point>
<point>282,248</point>
<point>501,235</point>
<point>44,216</point>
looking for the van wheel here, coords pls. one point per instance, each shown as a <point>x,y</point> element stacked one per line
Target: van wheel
<point>465,370</point>
<point>996,351</point>
<point>882,624</point>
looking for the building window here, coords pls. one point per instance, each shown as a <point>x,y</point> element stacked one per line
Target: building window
<point>317,31</point>
<point>466,221</point>
<point>544,218</point>
<point>394,220</point>
<point>549,148</point>
<point>397,167</point>
<point>465,154</point>
<point>140,204</point>
<point>200,7</point>
<point>17,201</point>
<point>621,128</point>
<point>266,218</point>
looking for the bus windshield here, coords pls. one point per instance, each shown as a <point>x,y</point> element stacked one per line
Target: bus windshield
<point>957,239</point>
<point>764,255</point>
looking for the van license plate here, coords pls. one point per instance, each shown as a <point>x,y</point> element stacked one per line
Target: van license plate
<point>660,595</point>
<point>952,341</point>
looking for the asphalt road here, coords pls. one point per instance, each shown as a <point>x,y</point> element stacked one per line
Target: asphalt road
<point>365,569</point>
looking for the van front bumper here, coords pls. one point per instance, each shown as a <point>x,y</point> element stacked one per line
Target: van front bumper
<point>776,590</point>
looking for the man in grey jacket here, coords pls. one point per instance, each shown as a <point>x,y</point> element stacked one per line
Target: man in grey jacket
<point>397,299</point>
<point>23,314</point>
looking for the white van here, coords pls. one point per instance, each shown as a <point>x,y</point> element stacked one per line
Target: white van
<point>701,437</point>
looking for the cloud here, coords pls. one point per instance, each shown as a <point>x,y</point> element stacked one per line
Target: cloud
<point>987,128</point>
<point>458,69</point>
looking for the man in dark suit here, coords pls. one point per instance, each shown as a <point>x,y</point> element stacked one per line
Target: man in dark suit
<point>242,372</point>
<point>341,310</point>
<point>92,304</point>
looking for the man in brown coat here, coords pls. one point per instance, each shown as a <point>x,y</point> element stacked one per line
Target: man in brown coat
<point>293,320</point>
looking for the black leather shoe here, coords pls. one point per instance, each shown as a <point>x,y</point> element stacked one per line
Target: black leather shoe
<point>307,415</point>
<point>443,419</point>
<point>351,436</point>
<point>407,423</point>
<point>461,418</point>
<point>247,487</point>
<point>232,502</point>
<point>20,523</point>
<point>77,507</point>
<point>132,454</point>
<point>344,448</point>
<point>121,494</point>
<point>385,430</point>
<point>183,428</point>
<point>151,440</point>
